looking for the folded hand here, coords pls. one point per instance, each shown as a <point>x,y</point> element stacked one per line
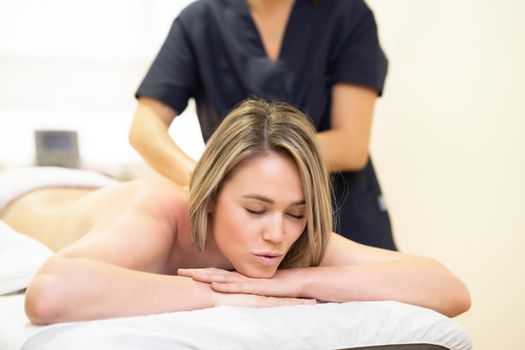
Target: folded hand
<point>233,282</point>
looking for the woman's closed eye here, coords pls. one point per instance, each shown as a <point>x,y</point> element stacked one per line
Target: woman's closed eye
<point>297,216</point>
<point>255,211</point>
<point>259,212</point>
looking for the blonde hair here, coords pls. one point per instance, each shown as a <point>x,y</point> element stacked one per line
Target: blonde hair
<point>256,127</point>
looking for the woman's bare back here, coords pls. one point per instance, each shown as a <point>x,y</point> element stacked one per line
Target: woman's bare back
<point>60,216</point>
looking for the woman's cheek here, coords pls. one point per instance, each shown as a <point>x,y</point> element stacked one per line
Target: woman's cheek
<point>295,230</point>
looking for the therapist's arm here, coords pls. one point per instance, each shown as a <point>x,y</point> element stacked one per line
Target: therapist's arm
<point>345,145</point>
<point>149,136</point>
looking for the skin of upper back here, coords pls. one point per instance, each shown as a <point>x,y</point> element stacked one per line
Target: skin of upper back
<point>163,205</point>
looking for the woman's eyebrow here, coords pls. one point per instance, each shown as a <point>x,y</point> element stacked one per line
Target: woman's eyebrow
<point>268,200</point>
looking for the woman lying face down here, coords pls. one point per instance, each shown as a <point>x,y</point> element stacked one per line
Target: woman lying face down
<point>262,192</point>
<point>255,230</point>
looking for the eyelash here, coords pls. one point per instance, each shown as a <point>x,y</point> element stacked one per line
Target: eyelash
<point>297,217</point>
<point>258,213</point>
<point>255,212</point>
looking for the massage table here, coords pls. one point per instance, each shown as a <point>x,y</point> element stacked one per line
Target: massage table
<point>384,325</point>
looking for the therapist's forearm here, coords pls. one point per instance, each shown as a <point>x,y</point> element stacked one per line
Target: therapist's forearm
<point>149,136</point>
<point>345,145</point>
<point>169,160</point>
<point>343,151</point>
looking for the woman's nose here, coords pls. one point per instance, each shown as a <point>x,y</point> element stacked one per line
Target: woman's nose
<point>274,230</point>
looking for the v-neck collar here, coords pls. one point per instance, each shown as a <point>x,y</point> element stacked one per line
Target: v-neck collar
<point>255,36</point>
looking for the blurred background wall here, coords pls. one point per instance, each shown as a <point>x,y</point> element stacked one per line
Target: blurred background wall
<point>447,140</point>
<point>450,149</point>
<point>75,65</point>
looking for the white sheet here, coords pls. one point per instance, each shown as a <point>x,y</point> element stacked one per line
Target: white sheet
<point>322,326</point>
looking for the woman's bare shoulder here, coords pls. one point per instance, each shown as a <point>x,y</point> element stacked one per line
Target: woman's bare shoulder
<point>343,251</point>
<point>157,197</point>
<point>158,187</point>
<point>162,201</point>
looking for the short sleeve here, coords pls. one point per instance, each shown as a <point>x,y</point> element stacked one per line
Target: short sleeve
<point>358,57</point>
<point>172,77</point>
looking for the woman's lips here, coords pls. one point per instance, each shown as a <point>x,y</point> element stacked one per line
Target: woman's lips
<point>268,258</point>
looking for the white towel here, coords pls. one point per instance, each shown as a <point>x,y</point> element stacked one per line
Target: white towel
<point>20,258</point>
<point>18,181</point>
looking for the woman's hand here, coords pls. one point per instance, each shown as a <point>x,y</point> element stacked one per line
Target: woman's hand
<point>258,301</point>
<point>233,282</point>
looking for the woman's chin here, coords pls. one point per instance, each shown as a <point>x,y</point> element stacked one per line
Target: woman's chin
<point>257,272</point>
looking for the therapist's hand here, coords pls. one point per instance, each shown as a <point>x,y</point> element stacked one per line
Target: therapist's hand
<point>280,285</point>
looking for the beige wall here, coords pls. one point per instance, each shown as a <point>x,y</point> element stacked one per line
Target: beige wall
<point>449,146</point>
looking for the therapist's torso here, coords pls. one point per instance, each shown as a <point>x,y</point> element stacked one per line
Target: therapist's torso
<point>214,54</point>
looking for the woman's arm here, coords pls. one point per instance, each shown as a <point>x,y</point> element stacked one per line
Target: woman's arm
<point>345,145</point>
<point>74,288</point>
<point>120,268</point>
<point>79,289</point>
<point>149,136</point>
<point>114,269</point>
<point>351,272</point>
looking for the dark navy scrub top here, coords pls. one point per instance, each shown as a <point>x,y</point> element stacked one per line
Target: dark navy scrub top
<point>214,54</point>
